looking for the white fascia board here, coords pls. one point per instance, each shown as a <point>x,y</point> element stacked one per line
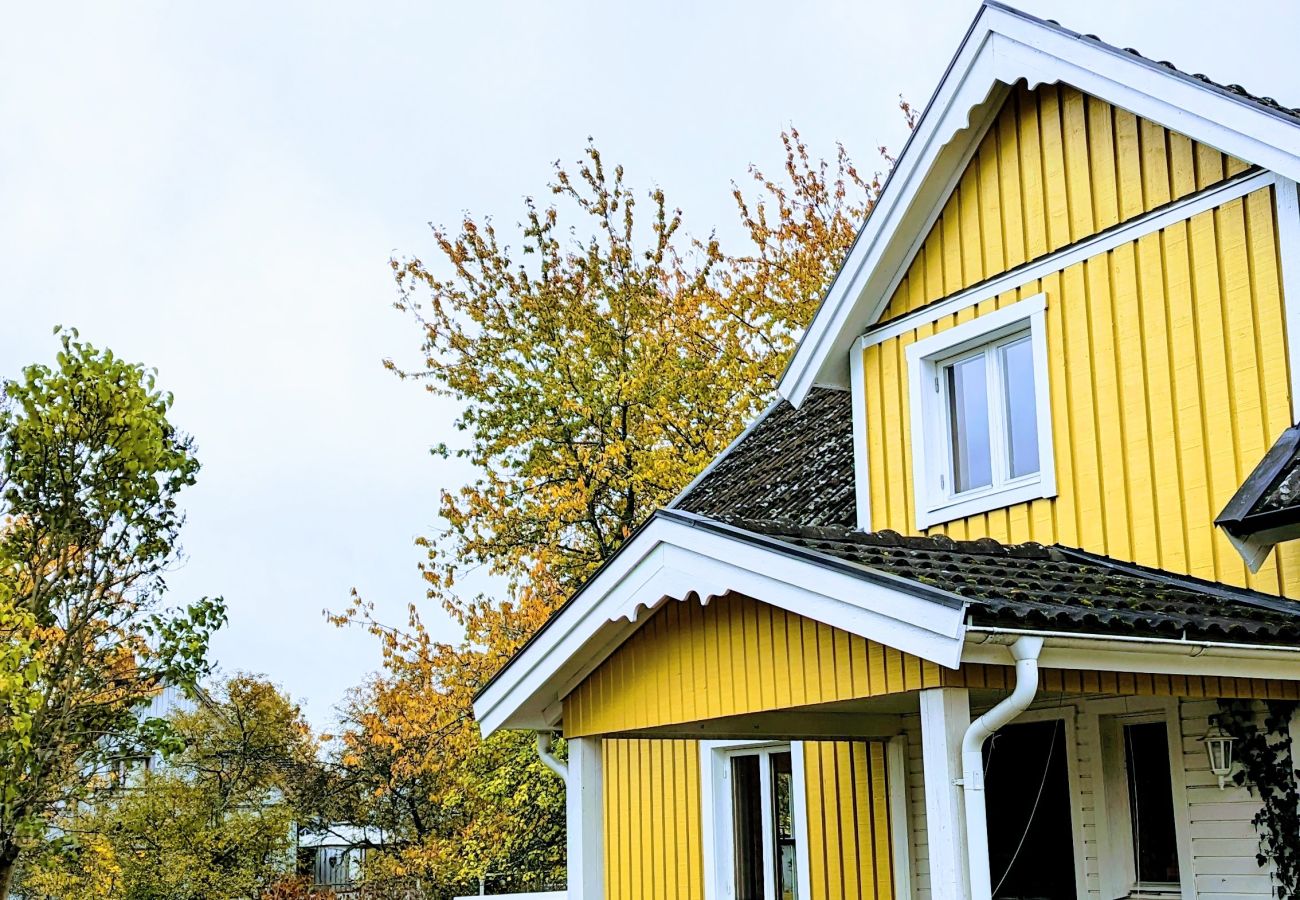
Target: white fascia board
<point>1001,48</point>
<point>674,559</point>
<point>1101,653</point>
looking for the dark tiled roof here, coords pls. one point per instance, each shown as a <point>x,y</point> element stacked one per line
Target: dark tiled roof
<point>1269,498</point>
<point>1053,588</point>
<point>792,464</point>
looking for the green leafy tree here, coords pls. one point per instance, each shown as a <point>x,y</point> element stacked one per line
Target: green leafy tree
<point>214,823</point>
<point>90,472</point>
<point>599,364</point>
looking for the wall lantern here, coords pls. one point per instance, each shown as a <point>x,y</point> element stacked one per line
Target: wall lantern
<point>1218,746</point>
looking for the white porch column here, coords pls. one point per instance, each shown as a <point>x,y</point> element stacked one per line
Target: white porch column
<point>584,814</point>
<point>945,716</point>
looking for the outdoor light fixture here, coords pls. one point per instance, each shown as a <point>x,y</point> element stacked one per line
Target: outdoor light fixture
<point>1218,744</point>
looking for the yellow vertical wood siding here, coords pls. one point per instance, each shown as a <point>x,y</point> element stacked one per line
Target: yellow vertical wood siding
<point>1056,166</point>
<point>736,655</point>
<point>653,836</point>
<point>849,850</point>
<point>1168,378</point>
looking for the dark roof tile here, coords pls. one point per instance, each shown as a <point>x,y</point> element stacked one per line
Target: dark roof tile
<point>792,464</point>
<point>1269,499</point>
<point>1053,587</point>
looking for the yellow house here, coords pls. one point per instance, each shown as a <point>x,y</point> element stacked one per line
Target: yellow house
<point>955,617</point>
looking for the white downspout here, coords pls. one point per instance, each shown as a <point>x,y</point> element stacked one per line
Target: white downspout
<point>1026,651</point>
<point>548,758</point>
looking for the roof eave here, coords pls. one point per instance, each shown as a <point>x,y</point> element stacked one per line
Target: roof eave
<point>1003,46</point>
<point>680,555</point>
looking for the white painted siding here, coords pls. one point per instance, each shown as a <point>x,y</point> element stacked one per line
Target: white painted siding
<point>1224,842</point>
<point>916,806</point>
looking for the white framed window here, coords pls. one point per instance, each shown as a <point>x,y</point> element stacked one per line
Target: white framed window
<point>981,414</point>
<point>1146,846</point>
<point>755,821</point>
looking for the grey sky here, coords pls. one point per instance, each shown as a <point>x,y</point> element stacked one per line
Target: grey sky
<point>215,189</point>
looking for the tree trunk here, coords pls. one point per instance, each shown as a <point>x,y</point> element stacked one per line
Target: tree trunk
<point>8,862</point>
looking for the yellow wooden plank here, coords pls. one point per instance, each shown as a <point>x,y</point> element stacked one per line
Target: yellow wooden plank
<point>968,212</point>
<point>657,865</point>
<point>843,860</point>
<point>1078,176</point>
<point>893,379</point>
<point>782,650</point>
<point>841,641</point>
<point>1031,176</point>
<point>1011,198</point>
<point>1209,164</point>
<point>877,411</point>
<point>906,510</point>
<point>813,790</point>
<point>1108,422</point>
<point>856,756</point>
<point>1216,413</point>
<point>1102,159</point>
<point>1155,166</point>
<point>882,838</point>
<point>1134,412</point>
<point>1056,191</point>
<point>990,207</point>
<point>828,680</point>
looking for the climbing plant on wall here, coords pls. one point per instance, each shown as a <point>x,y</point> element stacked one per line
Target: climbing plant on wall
<point>1267,768</point>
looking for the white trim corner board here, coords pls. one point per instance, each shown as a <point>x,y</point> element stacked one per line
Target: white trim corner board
<point>861,452</point>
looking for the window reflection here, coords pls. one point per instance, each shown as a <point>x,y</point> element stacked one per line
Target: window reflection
<point>968,410</point>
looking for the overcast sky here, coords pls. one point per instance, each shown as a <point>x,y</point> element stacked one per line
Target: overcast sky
<point>215,189</point>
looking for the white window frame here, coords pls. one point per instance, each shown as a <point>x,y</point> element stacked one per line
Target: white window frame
<point>718,821</point>
<point>1115,837</point>
<point>931,454</point>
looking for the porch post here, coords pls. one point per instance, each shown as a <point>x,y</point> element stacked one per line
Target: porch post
<point>583,808</point>
<point>945,716</point>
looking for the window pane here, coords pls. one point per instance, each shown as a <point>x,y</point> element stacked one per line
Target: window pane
<point>968,411</point>
<point>1151,802</point>
<point>783,809</point>
<point>747,806</point>
<point>1022,418</point>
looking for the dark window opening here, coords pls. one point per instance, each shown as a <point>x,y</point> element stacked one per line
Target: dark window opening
<point>1027,791</point>
<point>763,810</point>
<point>1151,803</point>
<point>747,801</point>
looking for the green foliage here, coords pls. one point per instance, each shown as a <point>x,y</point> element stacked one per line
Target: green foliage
<point>1264,751</point>
<point>598,366</point>
<point>90,471</point>
<point>216,823</point>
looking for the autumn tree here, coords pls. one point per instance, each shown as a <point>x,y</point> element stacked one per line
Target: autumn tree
<point>215,820</point>
<point>598,366</point>
<point>90,473</point>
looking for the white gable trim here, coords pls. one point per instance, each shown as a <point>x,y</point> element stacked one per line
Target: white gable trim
<point>1002,47</point>
<point>674,557</point>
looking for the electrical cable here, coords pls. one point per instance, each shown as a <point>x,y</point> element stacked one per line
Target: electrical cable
<point>1047,768</point>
